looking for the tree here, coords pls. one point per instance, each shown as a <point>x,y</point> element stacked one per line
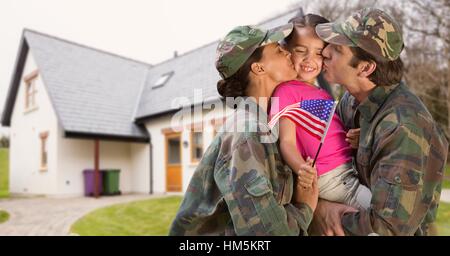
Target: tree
<point>4,142</point>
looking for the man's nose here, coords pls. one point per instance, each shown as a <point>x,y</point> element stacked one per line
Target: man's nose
<point>326,52</point>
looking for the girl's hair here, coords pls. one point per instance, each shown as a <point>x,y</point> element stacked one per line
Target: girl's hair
<point>308,20</point>
<point>236,85</point>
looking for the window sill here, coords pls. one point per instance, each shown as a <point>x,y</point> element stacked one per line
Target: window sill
<point>194,163</point>
<point>29,110</point>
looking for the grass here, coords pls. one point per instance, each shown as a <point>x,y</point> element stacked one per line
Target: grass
<point>4,177</point>
<point>4,216</point>
<point>142,218</point>
<point>446,182</point>
<point>153,218</point>
<point>443,219</point>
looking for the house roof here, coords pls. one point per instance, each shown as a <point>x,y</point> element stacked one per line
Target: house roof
<point>195,70</point>
<point>92,91</point>
<point>96,93</point>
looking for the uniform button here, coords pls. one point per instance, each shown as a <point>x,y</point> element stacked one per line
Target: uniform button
<point>398,179</point>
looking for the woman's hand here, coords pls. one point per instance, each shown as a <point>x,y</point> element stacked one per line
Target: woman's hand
<point>353,137</point>
<point>307,194</point>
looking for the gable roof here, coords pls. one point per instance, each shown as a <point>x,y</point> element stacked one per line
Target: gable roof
<point>92,92</point>
<point>195,70</point>
<point>99,94</point>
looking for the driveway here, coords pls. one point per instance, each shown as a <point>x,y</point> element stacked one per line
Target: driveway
<point>445,195</point>
<point>53,216</point>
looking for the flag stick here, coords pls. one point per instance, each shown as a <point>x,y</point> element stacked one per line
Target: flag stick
<point>326,131</point>
<point>315,158</point>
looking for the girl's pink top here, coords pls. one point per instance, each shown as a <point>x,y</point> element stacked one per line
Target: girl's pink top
<point>335,150</point>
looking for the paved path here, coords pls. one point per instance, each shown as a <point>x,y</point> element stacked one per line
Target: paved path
<point>445,195</point>
<point>53,216</point>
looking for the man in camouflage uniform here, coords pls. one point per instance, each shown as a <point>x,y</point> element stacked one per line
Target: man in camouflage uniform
<point>241,186</point>
<point>402,153</point>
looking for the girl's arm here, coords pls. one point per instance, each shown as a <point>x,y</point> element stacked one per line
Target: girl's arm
<point>289,151</point>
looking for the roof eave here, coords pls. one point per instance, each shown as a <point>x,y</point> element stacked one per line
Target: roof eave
<point>110,137</point>
<point>143,119</point>
<point>15,81</point>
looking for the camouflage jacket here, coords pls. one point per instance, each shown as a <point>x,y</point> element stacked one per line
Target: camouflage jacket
<point>241,186</point>
<point>401,158</point>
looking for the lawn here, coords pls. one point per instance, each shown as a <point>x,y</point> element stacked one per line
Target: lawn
<point>4,177</point>
<point>443,219</point>
<point>446,183</point>
<point>153,218</point>
<point>142,218</point>
<point>4,216</point>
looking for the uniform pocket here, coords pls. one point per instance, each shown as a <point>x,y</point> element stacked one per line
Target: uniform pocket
<point>398,192</point>
<point>267,208</point>
<point>258,186</point>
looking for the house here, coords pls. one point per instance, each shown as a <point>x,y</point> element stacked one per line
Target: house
<point>70,105</point>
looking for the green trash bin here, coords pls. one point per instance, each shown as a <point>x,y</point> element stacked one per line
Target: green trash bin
<point>111,182</point>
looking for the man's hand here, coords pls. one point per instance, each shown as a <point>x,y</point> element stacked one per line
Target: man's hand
<point>353,137</point>
<point>303,194</point>
<point>327,218</point>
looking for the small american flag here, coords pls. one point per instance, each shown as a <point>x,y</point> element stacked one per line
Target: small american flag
<point>312,115</point>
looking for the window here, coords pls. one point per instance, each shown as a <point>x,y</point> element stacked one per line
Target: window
<point>196,146</point>
<point>30,90</point>
<point>44,150</point>
<point>162,80</point>
<point>174,154</point>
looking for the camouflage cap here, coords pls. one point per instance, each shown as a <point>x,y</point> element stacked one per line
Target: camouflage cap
<point>240,43</point>
<point>369,29</point>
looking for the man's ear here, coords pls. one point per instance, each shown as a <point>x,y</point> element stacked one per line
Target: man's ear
<point>366,68</point>
<point>257,68</point>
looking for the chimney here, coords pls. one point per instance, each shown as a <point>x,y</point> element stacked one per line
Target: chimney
<point>175,54</point>
<point>300,13</point>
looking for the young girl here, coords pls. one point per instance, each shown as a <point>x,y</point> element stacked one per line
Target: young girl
<point>338,179</point>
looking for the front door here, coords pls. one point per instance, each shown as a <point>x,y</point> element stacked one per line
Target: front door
<point>173,163</point>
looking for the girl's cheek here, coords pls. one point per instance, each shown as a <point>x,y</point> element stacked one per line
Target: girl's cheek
<point>319,61</point>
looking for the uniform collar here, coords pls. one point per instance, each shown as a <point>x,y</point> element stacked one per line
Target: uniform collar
<point>370,106</point>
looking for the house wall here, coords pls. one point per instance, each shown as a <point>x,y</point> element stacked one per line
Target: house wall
<point>140,168</point>
<point>156,126</point>
<point>67,157</point>
<point>76,155</point>
<point>25,149</point>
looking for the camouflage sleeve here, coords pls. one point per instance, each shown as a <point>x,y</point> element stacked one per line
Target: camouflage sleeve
<point>405,183</point>
<point>301,214</point>
<point>345,111</point>
<point>244,183</point>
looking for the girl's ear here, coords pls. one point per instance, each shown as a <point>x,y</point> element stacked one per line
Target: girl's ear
<point>366,68</point>
<point>257,68</point>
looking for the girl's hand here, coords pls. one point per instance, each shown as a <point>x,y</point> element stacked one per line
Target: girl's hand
<point>353,137</point>
<point>306,174</point>
<point>308,195</point>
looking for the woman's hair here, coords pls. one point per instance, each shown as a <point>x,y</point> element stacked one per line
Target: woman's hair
<point>303,21</point>
<point>236,85</point>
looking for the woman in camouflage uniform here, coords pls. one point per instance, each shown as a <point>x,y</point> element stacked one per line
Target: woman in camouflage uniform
<point>241,186</point>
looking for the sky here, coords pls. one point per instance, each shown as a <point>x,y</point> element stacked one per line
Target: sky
<point>145,30</point>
